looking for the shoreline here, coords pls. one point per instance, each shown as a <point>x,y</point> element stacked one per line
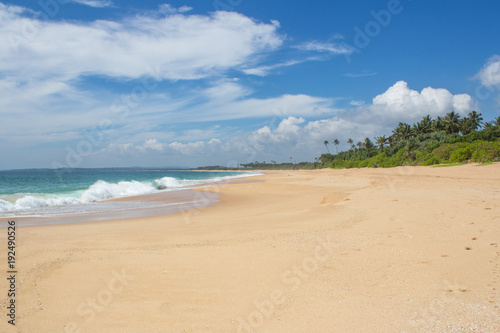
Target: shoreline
<point>403,249</point>
<point>173,200</point>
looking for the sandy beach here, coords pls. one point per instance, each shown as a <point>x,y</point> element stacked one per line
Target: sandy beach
<point>407,249</point>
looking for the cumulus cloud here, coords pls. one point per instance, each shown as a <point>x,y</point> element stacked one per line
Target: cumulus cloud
<point>293,135</point>
<point>401,103</point>
<point>490,73</point>
<point>154,147</point>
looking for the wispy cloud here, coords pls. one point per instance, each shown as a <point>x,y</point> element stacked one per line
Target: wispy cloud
<point>362,74</point>
<point>489,75</point>
<point>169,9</point>
<point>333,48</point>
<point>177,47</point>
<point>356,102</point>
<point>265,70</point>
<point>94,3</point>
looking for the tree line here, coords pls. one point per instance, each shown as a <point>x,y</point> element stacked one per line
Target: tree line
<point>418,144</point>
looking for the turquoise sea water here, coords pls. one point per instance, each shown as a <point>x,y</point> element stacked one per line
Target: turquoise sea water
<point>56,192</point>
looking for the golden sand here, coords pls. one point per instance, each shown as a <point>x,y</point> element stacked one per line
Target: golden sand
<point>409,249</point>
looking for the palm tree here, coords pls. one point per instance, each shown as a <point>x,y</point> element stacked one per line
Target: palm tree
<point>497,121</point>
<point>351,143</point>
<point>336,143</point>
<point>326,145</point>
<point>475,119</point>
<point>390,140</point>
<point>411,146</point>
<point>381,141</point>
<point>451,122</point>
<point>426,124</point>
<point>416,129</point>
<point>402,131</point>
<point>466,126</point>
<point>438,124</point>
<point>422,127</point>
<point>368,144</point>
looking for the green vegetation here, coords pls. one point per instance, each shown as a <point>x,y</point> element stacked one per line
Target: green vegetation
<point>448,140</point>
<point>444,141</point>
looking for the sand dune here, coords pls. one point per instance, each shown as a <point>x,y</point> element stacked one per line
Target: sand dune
<point>409,249</point>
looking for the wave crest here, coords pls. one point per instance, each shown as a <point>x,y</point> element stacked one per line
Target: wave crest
<point>102,190</point>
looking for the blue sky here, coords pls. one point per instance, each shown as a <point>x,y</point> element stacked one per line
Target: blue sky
<point>96,83</point>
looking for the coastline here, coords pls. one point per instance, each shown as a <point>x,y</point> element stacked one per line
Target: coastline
<point>166,201</point>
<point>401,249</point>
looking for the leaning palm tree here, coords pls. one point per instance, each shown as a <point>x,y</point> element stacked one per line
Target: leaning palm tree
<point>326,145</point>
<point>381,141</point>
<point>336,143</point>
<point>451,122</point>
<point>475,120</point>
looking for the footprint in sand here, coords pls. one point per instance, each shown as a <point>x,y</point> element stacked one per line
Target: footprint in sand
<point>468,248</point>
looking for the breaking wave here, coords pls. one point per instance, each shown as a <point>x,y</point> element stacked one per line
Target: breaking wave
<point>100,191</point>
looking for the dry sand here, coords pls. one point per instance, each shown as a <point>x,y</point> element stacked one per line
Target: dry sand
<point>410,249</point>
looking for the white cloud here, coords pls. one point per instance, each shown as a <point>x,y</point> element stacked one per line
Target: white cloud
<point>325,47</point>
<point>43,63</point>
<point>94,3</point>
<point>292,137</point>
<point>490,73</point>
<point>362,74</point>
<point>400,103</point>
<point>173,47</point>
<point>169,9</point>
<point>357,102</point>
<point>265,70</point>
<point>274,107</point>
<point>226,90</point>
<point>290,134</point>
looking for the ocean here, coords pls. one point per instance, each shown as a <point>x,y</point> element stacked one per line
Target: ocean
<point>52,193</point>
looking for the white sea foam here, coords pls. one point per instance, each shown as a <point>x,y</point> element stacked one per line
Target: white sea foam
<point>102,190</point>
<point>6,206</point>
<point>30,202</point>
